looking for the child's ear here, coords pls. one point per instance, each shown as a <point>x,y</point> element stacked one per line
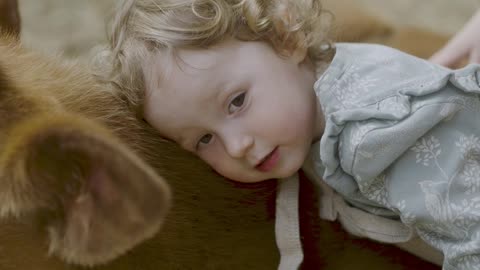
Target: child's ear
<point>93,196</point>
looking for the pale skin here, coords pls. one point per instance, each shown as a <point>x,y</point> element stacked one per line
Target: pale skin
<point>465,45</point>
<point>248,112</point>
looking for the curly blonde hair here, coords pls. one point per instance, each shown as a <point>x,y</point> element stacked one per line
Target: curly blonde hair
<point>142,28</point>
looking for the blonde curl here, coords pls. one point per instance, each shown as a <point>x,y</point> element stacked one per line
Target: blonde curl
<point>142,28</point>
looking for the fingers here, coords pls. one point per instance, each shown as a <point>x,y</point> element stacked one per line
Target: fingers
<point>447,58</point>
<point>456,49</point>
<point>452,54</point>
<point>464,45</point>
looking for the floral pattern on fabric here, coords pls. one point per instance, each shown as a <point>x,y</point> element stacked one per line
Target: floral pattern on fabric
<point>402,137</point>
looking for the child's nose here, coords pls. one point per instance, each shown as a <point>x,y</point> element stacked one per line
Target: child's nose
<point>239,145</point>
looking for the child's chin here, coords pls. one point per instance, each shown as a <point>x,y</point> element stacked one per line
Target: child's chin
<point>287,172</point>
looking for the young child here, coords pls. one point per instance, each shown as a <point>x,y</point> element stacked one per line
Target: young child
<point>256,90</point>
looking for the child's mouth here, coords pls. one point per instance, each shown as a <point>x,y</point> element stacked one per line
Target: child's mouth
<point>269,162</point>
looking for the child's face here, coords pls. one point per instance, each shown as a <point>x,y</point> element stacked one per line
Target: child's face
<point>249,113</point>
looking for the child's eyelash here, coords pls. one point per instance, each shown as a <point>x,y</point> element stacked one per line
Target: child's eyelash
<point>199,141</point>
<point>235,104</point>
<point>239,99</point>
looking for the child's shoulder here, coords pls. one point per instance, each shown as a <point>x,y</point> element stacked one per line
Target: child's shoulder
<point>373,52</point>
<point>362,74</point>
<point>382,62</point>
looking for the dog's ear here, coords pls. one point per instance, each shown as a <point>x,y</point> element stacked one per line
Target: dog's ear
<point>93,196</point>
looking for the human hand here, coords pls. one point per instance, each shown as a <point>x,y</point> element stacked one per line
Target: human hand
<point>465,45</point>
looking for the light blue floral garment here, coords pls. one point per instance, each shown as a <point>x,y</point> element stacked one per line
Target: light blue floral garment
<point>402,140</point>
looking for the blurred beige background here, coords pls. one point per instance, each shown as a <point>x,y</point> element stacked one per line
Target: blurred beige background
<point>74,26</point>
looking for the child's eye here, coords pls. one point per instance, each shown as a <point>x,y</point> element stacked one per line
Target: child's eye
<point>205,139</point>
<point>236,103</point>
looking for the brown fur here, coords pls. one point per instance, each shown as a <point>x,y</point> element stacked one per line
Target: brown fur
<point>64,138</point>
<point>66,172</point>
<point>9,17</point>
<point>61,128</point>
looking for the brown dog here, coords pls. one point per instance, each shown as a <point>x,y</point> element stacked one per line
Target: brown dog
<point>83,179</point>
<point>70,186</point>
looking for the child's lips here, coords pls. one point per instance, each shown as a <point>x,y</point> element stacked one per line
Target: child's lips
<point>269,162</point>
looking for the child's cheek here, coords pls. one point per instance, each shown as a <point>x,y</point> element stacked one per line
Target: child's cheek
<point>213,157</point>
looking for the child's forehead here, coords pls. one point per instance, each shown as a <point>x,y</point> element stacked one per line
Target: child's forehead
<point>197,60</point>
<point>189,76</point>
<point>165,66</point>
<point>172,69</point>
